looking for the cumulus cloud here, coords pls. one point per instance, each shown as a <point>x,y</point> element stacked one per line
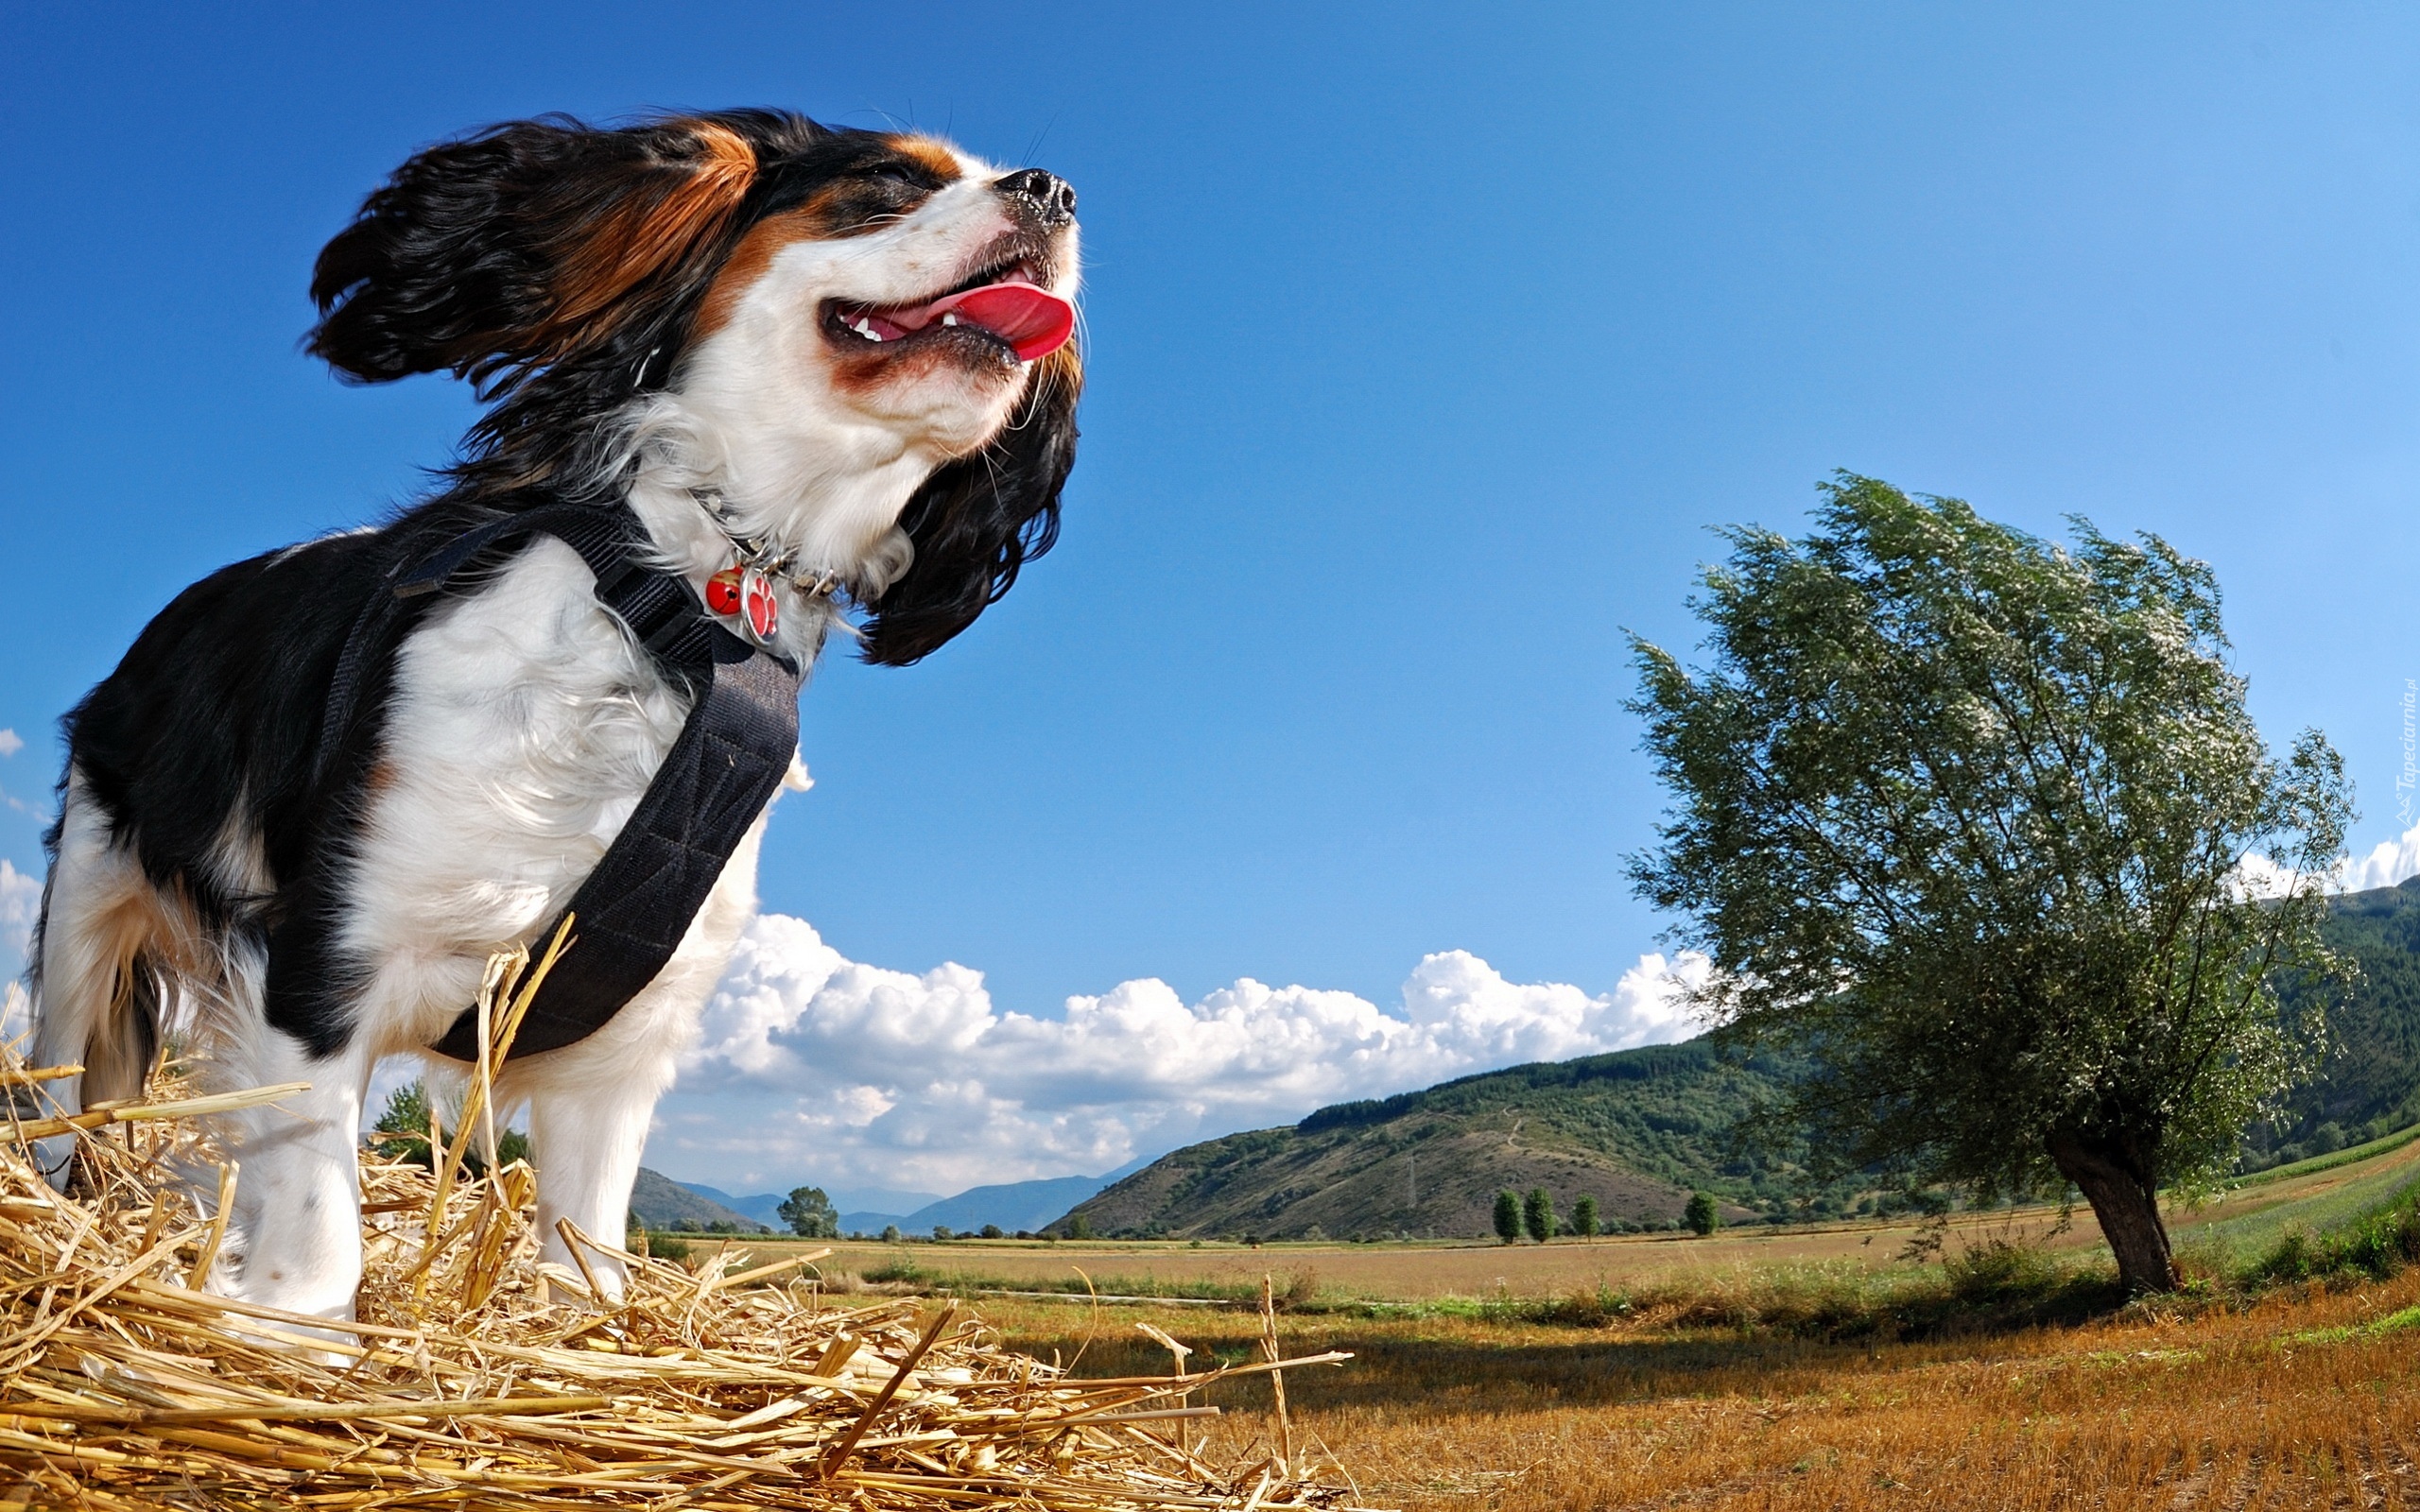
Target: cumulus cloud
<point>20,905</point>
<point>10,743</point>
<point>2385,864</point>
<point>813,1065</point>
<point>2389,862</point>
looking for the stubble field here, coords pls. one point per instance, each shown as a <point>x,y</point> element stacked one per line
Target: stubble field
<point>2306,1396</point>
<point>2302,1401</point>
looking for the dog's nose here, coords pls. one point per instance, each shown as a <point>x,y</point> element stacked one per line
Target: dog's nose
<point>1051,194</point>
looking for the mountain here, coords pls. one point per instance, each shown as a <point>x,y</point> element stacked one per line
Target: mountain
<point>1012,1206</point>
<point>875,1222</point>
<point>1637,1130</point>
<point>888,1199</point>
<point>661,1202</point>
<point>765,1207</point>
<point>2370,1083</point>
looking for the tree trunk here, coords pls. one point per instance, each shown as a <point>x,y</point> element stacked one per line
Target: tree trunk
<point>2127,1203</point>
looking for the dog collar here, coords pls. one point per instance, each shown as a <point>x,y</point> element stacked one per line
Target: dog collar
<point>743,592</point>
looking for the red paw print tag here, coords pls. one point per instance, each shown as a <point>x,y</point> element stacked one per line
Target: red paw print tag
<point>758,610</point>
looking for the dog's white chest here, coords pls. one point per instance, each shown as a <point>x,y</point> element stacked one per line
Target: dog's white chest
<point>523,729</point>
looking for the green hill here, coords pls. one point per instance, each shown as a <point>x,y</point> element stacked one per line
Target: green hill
<point>2370,1085</point>
<point>660,1202</point>
<point>1640,1129</point>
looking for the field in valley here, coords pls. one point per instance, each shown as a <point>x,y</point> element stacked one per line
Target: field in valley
<point>1460,1397</point>
<point>2317,1194</point>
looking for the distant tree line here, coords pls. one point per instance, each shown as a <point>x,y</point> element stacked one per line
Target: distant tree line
<point>1532,1215</point>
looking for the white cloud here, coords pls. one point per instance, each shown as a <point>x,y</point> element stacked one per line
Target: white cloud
<point>813,1065</point>
<point>20,905</point>
<point>10,742</point>
<point>2388,862</point>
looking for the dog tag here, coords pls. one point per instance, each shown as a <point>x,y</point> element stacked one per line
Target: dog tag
<point>758,609</point>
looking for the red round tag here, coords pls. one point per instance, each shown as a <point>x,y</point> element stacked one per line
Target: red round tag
<point>722,592</point>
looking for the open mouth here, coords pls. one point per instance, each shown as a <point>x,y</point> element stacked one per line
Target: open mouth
<point>1004,308</point>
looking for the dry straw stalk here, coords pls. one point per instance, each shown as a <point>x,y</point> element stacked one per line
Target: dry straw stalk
<point>473,1376</point>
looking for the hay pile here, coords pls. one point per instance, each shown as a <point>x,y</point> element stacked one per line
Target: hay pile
<point>477,1378</point>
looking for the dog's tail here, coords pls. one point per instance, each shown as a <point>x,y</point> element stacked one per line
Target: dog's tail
<point>100,993</point>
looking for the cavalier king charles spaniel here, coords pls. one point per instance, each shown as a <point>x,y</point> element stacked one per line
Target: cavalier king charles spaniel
<point>845,350</point>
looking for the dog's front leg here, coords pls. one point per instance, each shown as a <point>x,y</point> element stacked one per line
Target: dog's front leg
<point>589,1108</point>
<point>295,1231</point>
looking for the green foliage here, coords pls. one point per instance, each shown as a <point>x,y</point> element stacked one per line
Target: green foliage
<point>1701,1215</point>
<point>641,1240</point>
<point>1080,1226</point>
<point>402,1134</point>
<point>402,1130</point>
<point>809,1213</point>
<point>1959,815</point>
<point>1537,1214</point>
<point>2370,1083</point>
<point>1507,1217</point>
<point>991,1230</point>
<point>1584,1218</point>
<point>890,1233</point>
<point>2378,1244</point>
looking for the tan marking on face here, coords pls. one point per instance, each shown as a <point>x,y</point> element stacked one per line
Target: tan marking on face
<point>929,153</point>
<point>749,261</point>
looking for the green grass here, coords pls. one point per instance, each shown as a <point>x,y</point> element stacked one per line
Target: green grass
<point>2391,1323</point>
<point>2229,1244</point>
<point>2350,1155</point>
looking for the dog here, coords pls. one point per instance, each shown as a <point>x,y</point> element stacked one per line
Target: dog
<point>841,356</point>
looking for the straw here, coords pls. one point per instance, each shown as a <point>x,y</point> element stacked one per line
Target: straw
<point>475,1376</point>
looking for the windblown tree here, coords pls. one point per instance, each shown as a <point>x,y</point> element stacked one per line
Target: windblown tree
<point>1980,825</point>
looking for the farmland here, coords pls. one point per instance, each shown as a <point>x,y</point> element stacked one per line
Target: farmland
<point>2287,1404</point>
<point>2303,1395</point>
<point>2318,1193</point>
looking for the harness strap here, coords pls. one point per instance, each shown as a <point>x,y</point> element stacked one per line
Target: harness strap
<point>634,908</point>
<point>631,914</point>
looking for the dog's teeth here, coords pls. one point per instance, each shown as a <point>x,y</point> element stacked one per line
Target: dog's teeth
<point>950,318</point>
<point>865,328</point>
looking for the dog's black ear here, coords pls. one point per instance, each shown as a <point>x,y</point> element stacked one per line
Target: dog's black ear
<point>977,519</point>
<point>501,254</point>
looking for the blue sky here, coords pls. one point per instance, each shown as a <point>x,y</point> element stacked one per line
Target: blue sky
<point>1425,345</point>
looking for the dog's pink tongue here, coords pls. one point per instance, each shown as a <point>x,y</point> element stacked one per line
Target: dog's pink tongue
<point>1033,320</point>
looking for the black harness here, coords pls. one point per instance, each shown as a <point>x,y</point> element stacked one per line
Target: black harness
<point>730,756</point>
